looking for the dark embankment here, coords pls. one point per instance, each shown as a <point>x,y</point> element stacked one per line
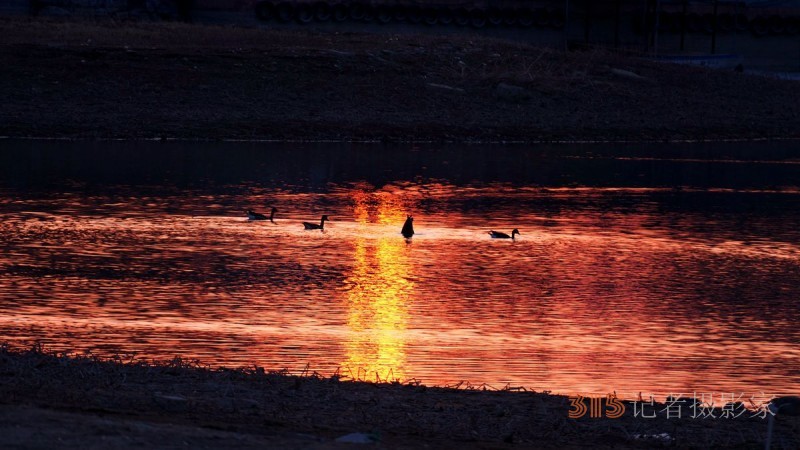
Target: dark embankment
<point>145,80</point>
<point>84,402</point>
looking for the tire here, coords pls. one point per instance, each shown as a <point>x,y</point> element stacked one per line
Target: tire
<point>304,14</point>
<point>369,14</point>
<point>741,23</point>
<point>494,17</point>
<point>430,17</point>
<point>265,11</point>
<point>525,18</point>
<point>415,15</point>
<point>340,13</point>
<point>399,14</point>
<point>461,17</point>
<point>477,18</point>
<point>322,12</point>
<point>383,15</point>
<point>357,12</point>
<point>793,25</point>
<point>541,18</point>
<point>726,23</point>
<point>777,25</point>
<point>557,19</point>
<point>284,12</point>
<point>759,26</point>
<point>445,16</point>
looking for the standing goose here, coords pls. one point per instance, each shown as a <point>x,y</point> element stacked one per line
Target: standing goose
<point>499,235</point>
<point>408,227</point>
<point>313,226</point>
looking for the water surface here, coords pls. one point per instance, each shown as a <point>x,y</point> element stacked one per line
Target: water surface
<point>655,269</point>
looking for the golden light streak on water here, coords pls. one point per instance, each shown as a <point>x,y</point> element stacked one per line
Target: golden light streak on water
<point>378,291</point>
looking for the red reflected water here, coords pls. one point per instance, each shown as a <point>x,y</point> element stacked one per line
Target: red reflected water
<point>605,290</point>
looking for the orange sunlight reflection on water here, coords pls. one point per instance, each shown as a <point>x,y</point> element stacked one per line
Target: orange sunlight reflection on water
<point>378,291</point>
<point>605,289</point>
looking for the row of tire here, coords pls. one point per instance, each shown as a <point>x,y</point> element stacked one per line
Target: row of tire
<point>728,23</point>
<point>358,12</point>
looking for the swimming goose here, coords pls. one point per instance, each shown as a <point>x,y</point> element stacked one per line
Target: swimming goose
<point>408,227</point>
<point>252,215</point>
<point>313,226</point>
<point>499,235</point>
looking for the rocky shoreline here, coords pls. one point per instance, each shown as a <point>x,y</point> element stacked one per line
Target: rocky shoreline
<point>86,402</point>
<point>136,80</point>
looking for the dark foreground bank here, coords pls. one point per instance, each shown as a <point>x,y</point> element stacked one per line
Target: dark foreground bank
<point>144,80</point>
<point>82,402</point>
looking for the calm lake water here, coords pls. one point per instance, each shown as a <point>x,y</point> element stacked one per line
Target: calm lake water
<point>639,268</point>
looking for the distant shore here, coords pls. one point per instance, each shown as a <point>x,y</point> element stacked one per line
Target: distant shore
<point>82,402</point>
<point>132,80</point>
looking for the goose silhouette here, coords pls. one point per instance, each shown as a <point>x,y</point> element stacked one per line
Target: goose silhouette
<point>499,235</point>
<point>408,227</point>
<point>313,226</point>
<point>252,215</point>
